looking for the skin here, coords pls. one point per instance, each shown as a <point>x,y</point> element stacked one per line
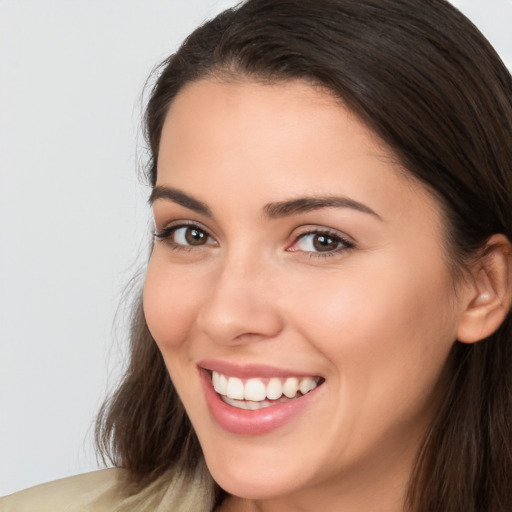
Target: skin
<point>375,320</point>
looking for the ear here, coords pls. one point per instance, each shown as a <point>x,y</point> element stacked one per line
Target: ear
<point>489,291</point>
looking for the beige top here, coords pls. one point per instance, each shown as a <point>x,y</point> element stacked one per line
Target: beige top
<point>104,491</point>
<point>88,492</point>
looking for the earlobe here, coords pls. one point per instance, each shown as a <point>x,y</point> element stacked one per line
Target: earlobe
<point>490,292</point>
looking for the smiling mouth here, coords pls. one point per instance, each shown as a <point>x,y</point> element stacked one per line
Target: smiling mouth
<point>258,393</point>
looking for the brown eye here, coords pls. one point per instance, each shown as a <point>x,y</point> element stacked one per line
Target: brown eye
<point>185,236</point>
<point>323,242</point>
<point>192,235</point>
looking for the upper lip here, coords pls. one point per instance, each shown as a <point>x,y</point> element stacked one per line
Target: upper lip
<point>247,371</point>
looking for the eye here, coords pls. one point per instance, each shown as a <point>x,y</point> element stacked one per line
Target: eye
<point>190,235</point>
<point>320,242</point>
<point>185,236</point>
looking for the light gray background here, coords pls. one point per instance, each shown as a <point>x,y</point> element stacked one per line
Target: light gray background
<point>73,218</point>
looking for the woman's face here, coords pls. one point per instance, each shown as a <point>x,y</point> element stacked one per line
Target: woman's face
<point>293,254</point>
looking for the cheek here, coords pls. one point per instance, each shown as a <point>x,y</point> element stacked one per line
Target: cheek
<point>170,304</point>
<point>381,321</point>
<point>387,342</point>
<point>171,300</point>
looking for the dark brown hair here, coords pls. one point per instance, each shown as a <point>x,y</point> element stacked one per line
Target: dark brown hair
<point>424,79</point>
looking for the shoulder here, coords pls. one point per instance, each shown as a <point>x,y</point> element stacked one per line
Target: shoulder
<point>95,492</point>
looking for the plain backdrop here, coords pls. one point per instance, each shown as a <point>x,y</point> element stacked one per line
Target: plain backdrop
<point>74,224</point>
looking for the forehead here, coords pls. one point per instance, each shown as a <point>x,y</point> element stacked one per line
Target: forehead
<point>260,119</point>
<point>235,139</point>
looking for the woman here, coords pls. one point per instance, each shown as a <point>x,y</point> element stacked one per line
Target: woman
<point>329,287</point>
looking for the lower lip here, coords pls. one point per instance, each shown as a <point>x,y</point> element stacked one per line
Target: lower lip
<point>247,422</point>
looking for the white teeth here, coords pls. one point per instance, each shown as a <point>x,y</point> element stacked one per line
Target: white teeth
<point>223,383</point>
<point>252,406</point>
<point>215,381</point>
<point>247,404</point>
<point>220,383</point>
<point>274,389</point>
<point>235,388</point>
<point>306,385</point>
<point>254,391</point>
<point>291,386</point>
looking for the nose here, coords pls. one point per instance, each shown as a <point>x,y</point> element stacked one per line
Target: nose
<point>241,306</point>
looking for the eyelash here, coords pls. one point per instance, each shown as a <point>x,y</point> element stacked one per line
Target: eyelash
<point>166,235</point>
<point>344,244</point>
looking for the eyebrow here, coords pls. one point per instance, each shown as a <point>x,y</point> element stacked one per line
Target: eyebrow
<point>271,210</point>
<point>306,204</point>
<point>178,197</point>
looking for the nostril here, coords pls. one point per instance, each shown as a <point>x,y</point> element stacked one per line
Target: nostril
<point>236,321</point>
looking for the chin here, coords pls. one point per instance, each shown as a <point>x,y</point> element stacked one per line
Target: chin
<point>261,479</point>
<point>255,487</point>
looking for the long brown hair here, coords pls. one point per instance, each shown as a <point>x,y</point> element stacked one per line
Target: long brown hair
<point>423,78</point>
